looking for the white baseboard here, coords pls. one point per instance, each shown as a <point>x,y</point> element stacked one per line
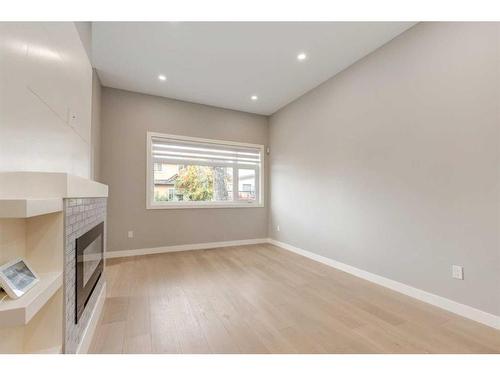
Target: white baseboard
<point>442,302</point>
<point>169,249</point>
<point>84,346</point>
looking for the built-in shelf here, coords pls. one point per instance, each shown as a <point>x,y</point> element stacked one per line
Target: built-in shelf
<point>32,228</point>
<point>29,207</point>
<point>16,312</point>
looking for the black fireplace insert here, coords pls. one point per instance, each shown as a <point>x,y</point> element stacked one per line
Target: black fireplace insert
<point>89,266</point>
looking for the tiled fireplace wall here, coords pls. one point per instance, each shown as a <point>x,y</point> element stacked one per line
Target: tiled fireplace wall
<point>80,215</point>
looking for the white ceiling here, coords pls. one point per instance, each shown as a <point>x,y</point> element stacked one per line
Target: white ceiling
<point>224,63</point>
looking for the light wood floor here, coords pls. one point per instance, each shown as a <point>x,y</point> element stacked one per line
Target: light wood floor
<point>263,299</point>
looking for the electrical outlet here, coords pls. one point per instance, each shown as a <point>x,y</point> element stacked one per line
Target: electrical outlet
<point>72,118</point>
<point>277,228</point>
<point>130,234</point>
<point>457,272</point>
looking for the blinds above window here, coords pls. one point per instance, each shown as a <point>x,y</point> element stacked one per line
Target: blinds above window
<point>175,151</point>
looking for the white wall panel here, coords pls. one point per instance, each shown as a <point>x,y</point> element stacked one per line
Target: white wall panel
<point>45,78</point>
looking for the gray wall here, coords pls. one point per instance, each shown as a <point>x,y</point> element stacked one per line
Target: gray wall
<point>95,129</point>
<point>392,166</point>
<point>126,117</point>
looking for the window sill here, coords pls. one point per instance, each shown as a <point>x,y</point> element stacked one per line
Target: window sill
<point>176,206</point>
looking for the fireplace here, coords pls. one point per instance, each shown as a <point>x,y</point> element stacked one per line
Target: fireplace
<point>89,266</point>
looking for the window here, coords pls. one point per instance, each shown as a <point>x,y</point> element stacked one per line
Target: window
<point>193,172</point>
<point>171,194</point>
<point>246,184</point>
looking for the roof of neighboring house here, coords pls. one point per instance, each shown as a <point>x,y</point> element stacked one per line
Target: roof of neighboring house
<point>168,181</point>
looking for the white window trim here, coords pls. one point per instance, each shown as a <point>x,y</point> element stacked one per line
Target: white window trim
<point>150,205</point>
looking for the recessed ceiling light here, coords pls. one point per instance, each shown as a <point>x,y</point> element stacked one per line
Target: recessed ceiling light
<point>161,77</point>
<point>254,97</point>
<point>301,56</point>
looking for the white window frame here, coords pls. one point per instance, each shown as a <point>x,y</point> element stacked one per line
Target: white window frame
<point>259,185</point>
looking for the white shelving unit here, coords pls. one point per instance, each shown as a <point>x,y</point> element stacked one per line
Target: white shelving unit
<point>32,227</point>
<point>29,207</point>
<point>17,312</point>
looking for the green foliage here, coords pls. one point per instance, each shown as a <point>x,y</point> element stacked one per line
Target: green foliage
<point>196,183</point>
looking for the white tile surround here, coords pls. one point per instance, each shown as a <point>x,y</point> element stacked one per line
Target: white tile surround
<point>80,215</point>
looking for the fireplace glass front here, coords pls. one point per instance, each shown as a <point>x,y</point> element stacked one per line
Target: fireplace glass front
<point>89,265</point>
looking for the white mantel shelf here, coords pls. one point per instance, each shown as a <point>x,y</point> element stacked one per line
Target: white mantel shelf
<point>23,208</point>
<point>43,185</point>
<point>28,194</point>
<point>16,312</point>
